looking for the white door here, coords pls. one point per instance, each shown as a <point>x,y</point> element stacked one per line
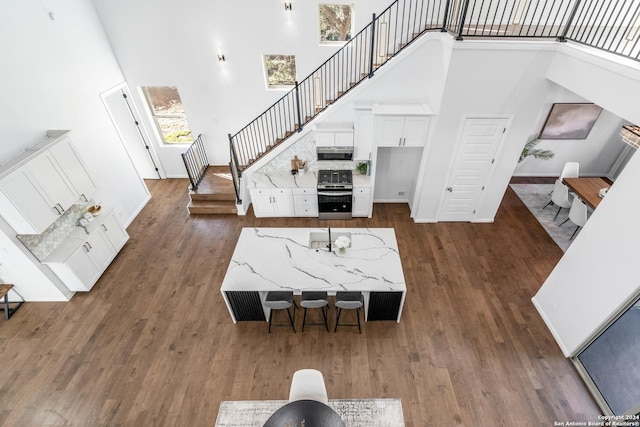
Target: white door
<point>480,141</point>
<point>126,120</point>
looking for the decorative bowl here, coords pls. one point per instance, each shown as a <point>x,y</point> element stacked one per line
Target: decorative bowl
<point>95,210</point>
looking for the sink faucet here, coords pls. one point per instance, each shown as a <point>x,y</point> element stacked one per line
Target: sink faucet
<point>329,229</point>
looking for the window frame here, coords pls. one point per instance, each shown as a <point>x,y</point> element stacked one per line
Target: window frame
<point>352,26</point>
<point>154,116</point>
<point>266,73</point>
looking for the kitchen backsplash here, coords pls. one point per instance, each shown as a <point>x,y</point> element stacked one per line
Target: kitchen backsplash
<point>305,149</point>
<point>41,245</point>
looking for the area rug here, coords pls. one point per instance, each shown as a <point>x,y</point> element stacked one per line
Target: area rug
<point>354,412</point>
<point>535,197</point>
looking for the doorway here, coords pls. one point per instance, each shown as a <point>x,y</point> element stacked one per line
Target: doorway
<point>477,149</point>
<point>126,119</point>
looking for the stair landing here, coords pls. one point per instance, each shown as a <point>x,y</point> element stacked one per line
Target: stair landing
<point>215,194</point>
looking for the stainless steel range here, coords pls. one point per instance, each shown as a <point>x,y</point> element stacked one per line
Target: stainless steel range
<point>335,194</point>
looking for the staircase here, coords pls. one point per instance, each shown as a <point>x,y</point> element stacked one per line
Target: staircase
<point>215,194</point>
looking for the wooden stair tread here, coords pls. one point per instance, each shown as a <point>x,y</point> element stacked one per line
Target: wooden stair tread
<point>208,207</point>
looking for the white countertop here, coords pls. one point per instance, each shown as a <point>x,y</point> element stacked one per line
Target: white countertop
<point>286,180</point>
<point>271,259</point>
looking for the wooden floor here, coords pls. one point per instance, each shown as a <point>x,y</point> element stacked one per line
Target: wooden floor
<point>153,344</point>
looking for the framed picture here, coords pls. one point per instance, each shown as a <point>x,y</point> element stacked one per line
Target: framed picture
<point>570,121</point>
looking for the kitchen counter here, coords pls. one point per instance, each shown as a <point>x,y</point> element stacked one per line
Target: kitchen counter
<point>286,180</point>
<point>277,259</point>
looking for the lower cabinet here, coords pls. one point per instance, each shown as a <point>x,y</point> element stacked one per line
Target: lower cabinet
<point>272,202</point>
<point>84,266</point>
<point>305,201</point>
<point>245,305</point>
<point>361,201</point>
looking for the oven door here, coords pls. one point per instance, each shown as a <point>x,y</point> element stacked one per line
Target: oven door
<point>335,204</point>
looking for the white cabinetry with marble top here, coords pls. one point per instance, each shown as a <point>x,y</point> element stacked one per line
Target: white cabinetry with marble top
<point>44,193</point>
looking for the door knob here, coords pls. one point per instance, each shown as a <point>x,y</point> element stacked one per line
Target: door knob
<point>449,189</point>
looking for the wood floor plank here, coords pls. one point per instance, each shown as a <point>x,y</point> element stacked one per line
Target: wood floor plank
<point>153,343</point>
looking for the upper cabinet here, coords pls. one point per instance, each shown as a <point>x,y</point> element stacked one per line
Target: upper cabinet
<point>401,125</point>
<point>74,169</point>
<point>40,184</point>
<point>363,129</point>
<point>334,135</point>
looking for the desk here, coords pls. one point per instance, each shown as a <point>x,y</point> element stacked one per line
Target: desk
<point>305,413</point>
<point>587,189</point>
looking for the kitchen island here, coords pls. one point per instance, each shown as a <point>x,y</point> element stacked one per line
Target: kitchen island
<point>298,259</point>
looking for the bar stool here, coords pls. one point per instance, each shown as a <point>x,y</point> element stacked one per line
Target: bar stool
<point>315,300</point>
<point>349,301</point>
<point>6,304</point>
<point>280,300</point>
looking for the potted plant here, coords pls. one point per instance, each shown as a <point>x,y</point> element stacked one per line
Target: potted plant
<point>362,168</point>
<point>530,150</point>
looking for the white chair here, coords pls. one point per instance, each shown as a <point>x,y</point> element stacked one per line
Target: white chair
<point>308,384</point>
<point>570,170</point>
<point>559,197</point>
<point>577,214</point>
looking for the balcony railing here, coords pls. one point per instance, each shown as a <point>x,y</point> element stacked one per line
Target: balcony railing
<point>610,25</point>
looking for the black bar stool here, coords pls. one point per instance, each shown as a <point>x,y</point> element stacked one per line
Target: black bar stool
<point>315,300</point>
<point>280,300</point>
<point>349,301</point>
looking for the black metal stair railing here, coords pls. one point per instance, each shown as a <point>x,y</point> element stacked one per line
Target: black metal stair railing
<point>610,25</point>
<point>195,161</point>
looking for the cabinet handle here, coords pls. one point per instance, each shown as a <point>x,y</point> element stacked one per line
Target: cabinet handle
<point>57,210</point>
<point>404,141</point>
<point>400,142</point>
<point>61,208</point>
<point>84,198</point>
<point>89,245</point>
<point>104,227</point>
<point>86,248</point>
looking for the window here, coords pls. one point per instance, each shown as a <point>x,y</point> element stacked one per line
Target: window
<point>280,71</point>
<point>168,113</point>
<point>335,22</point>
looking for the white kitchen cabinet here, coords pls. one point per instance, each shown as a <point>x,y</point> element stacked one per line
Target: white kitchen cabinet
<point>361,201</point>
<point>41,183</point>
<point>400,131</point>
<point>272,202</point>
<point>334,137</point>
<point>114,232</point>
<point>305,202</point>
<point>81,268</point>
<point>363,135</point>
<point>74,169</point>
<point>25,206</point>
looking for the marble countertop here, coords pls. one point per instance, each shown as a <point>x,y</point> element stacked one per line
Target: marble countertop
<point>286,180</point>
<point>271,259</point>
<point>73,241</point>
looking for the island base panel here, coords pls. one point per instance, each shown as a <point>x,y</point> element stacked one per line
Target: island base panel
<point>246,306</point>
<point>384,306</point>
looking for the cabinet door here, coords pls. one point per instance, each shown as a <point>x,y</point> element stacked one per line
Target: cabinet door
<point>262,202</point>
<point>390,131</point>
<point>29,210</point>
<point>69,161</point>
<point>363,136</point>
<point>343,139</point>
<point>361,201</point>
<point>325,139</point>
<point>114,232</point>
<point>415,131</point>
<point>84,268</point>
<point>100,250</point>
<point>283,200</point>
<point>52,181</point>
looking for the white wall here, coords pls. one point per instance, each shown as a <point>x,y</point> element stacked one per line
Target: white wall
<point>54,62</point>
<point>169,43</point>
<point>599,271</point>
